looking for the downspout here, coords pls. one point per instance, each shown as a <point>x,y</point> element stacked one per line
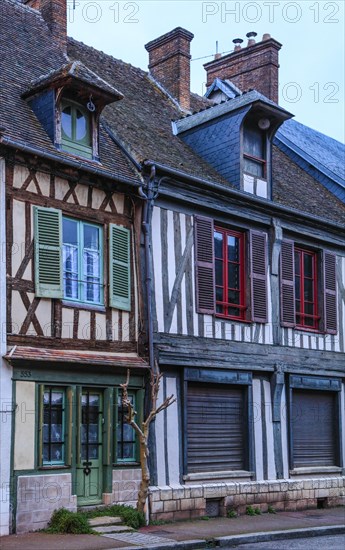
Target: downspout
<point>149,198</point>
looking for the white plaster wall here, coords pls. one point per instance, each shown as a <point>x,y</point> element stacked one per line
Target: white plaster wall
<point>24,436</point>
<point>284,430</point>
<point>173,431</point>
<point>5,375</point>
<point>271,468</point>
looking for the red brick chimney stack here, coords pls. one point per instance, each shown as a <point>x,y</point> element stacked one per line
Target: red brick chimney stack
<point>169,63</point>
<point>253,67</point>
<point>54,12</point>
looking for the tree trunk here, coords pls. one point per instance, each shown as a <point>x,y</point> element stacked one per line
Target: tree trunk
<point>145,475</point>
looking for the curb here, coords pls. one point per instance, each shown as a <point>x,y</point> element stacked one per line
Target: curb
<point>279,535</point>
<point>235,540</point>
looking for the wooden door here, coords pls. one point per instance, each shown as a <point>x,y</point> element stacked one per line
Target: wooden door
<point>89,467</point>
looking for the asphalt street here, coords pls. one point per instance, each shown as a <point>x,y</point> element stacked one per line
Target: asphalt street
<point>334,542</point>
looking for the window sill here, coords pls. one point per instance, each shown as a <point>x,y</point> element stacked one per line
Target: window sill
<point>82,305</point>
<point>316,470</point>
<point>127,465</point>
<point>52,467</point>
<point>215,476</point>
<point>231,320</point>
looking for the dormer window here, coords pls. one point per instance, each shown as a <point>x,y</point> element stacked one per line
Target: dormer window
<point>76,129</point>
<point>254,151</point>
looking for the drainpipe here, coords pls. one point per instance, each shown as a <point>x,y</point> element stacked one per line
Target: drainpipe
<point>149,198</point>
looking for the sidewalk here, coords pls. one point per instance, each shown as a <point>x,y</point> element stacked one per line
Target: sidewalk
<point>181,534</point>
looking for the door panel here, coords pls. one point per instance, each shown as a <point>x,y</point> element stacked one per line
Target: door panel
<point>89,467</point>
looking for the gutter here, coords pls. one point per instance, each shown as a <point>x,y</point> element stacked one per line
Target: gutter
<point>94,170</point>
<point>230,192</point>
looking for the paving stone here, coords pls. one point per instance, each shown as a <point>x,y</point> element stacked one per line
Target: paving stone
<point>104,520</point>
<point>141,540</point>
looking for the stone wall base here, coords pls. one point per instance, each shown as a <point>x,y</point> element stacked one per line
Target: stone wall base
<point>37,498</point>
<point>180,502</point>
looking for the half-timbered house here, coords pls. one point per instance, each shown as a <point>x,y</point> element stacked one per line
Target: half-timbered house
<point>242,266</point>
<point>73,308</point>
<point>249,272</point>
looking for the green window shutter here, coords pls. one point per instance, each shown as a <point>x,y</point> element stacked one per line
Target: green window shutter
<point>48,252</point>
<point>120,268</point>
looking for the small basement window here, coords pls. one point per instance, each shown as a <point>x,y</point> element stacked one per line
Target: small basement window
<point>76,129</point>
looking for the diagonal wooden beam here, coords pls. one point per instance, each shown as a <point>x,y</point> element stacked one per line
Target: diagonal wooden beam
<point>180,271</point>
<point>31,316</point>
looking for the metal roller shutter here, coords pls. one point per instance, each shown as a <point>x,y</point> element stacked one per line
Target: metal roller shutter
<point>313,428</point>
<point>215,428</point>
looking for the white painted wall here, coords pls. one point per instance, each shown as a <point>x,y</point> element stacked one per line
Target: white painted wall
<point>5,374</point>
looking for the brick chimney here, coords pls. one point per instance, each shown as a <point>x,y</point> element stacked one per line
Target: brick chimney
<point>253,67</point>
<point>54,12</point>
<point>169,63</point>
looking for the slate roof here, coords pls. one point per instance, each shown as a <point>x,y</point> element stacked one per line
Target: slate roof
<point>311,149</point>
<point>140,123</point>
<point>226,107</point>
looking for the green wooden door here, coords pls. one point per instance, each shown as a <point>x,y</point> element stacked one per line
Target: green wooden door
<point>89,467</point>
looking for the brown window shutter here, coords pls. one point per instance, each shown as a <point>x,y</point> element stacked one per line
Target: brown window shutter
<point>258,272</point>
<point>330,292</point>
<point>204,265</point>
<point>287,284</point>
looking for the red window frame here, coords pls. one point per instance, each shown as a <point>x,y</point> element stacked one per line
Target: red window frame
<point>304,317</point>
<point>225,303</point>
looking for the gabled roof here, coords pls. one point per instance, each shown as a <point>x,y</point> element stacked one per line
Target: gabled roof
<point>319,155</point>
<point>226,107</point>
<point>74,72</point>
<point>225,86</point>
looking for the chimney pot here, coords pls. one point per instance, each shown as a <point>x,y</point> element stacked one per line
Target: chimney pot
<point>266,36</point>
<point>237,42</point>
<point>251,38</point>
<point>217,55</point>
<point>35,4</point>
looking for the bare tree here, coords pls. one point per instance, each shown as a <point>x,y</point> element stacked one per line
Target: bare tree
<point>144,430</point>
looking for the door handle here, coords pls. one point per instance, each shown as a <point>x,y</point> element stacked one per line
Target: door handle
<point>87,469</point>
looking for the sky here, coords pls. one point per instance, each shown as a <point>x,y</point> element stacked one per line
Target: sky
<point>312,65</point>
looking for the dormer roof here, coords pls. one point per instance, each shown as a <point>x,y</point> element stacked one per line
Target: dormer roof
<point>77,76</point>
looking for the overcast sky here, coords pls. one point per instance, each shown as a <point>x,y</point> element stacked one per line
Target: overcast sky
<point>312,33</point>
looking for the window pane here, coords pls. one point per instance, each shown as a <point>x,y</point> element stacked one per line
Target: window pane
<point>297,262</point>
<point>70,231</point>
<point>125,433</point>
<point>253,142</point>
<point>309,308</point>
<point>66,121</point>
<point>53,431</point>
<point>218,245</point>
<point>252,167</point>
<point>233,249</point>
<point>234,276</point>
<point>91,237</point>
<point>298,288</point>
<point>308,290</point>
<point>234,297</point>
<point>308,265</point>
<point>219,272</point>
<point>219,294</point>
<point>81,126</point>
